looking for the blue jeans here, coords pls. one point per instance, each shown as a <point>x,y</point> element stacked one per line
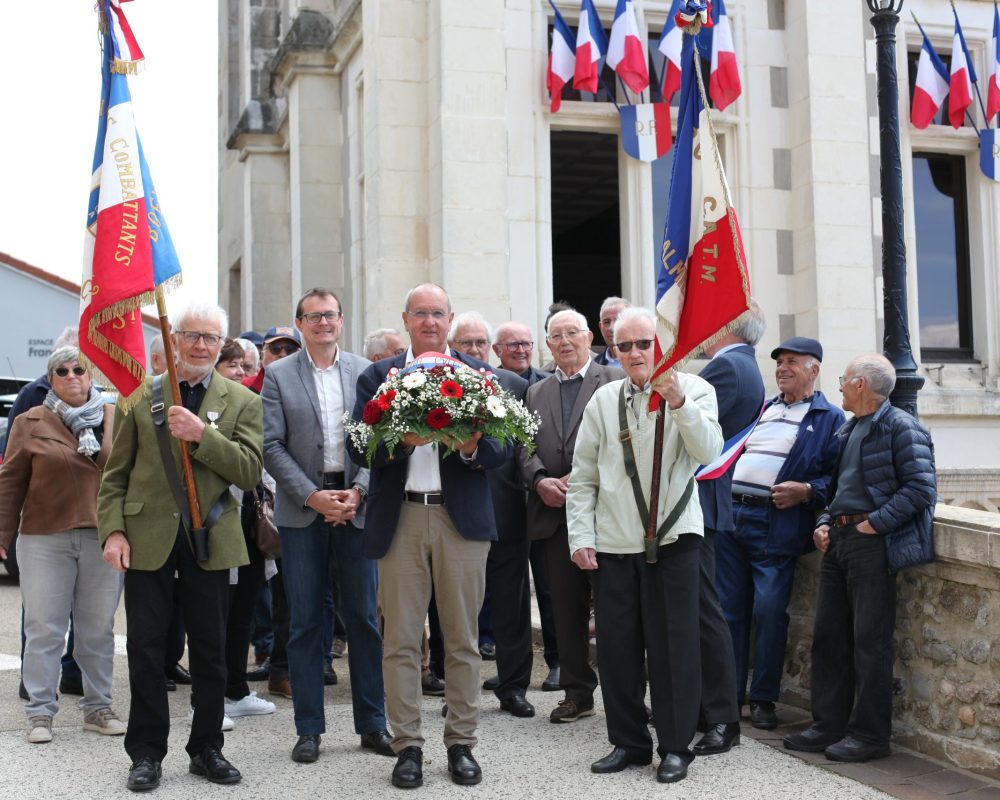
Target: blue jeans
<point>754,586</point>
<point>309,555</point>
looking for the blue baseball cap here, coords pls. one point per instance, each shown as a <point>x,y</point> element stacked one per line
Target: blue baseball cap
<point>253,336</point>
<point>282,332</point>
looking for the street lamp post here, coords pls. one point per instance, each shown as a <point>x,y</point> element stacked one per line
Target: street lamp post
<point>896,339</point>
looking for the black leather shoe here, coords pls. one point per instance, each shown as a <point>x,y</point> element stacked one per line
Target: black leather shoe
<point>462,766</point>
<point>762,715</point>
<point>179,675</point>
<point>855,751</point>
<point>144,775</point>
<point>329,676</point>
<point>491,684</point>
<point>718,739</point>
<point>306,749</point>
<point>409,770</point>
<point>518,706</point>
<point>431,685</point>
<point>618,759</point>
<point>212,764</point>
<point>551,682</point>
<point>379,741</point>
<point>171,685</point>
<point>71,686</point>
<point>811,740</point>
<point>672,768</point>
<point>488,651</point>
<point>261,673</point>
<point>22,692</point>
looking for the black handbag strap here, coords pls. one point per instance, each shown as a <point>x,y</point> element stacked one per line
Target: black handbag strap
<point>158,408</point>
<point>625,437</point>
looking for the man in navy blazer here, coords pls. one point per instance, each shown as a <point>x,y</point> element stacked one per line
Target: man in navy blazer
<point>430,523</point>
<point>739,389</point>
<point>319,511</point>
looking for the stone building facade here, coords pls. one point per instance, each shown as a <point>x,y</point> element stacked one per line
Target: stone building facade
<point>368,146</point>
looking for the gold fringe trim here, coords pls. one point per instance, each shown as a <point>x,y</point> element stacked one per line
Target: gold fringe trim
<point>125,403</point>
<point>122,67</point>
<point>173,282</point>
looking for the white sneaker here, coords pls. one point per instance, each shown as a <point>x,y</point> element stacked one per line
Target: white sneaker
<point>227,723</point>
<point>105,721</point>
<point>249,706</point>
<point>40,730</point>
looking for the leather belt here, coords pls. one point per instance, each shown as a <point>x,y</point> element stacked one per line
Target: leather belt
<point>752,500</point>
<point>333,480</point>
<point>426,498</point>
<point>844,520</point>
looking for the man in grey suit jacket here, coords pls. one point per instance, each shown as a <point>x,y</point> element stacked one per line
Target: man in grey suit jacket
<point>560,400</point>
<point>320,516</point>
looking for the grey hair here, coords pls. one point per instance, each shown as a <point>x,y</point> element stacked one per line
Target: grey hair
<point>611,302</point>
<point>69,336</point>
<point>467,317</point>
<point>584,325</point>
<point>156,345</point>
<point>375,341</point>
<point>249,350</point>
<point>200,310</point>
<point>751,329</point>
<point>418,287</point>
<point>61,355</point>
<point>633,313</point>
<point>504,325</point>
<point>878,373</point>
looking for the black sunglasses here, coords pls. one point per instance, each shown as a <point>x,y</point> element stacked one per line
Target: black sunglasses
<point>277,348</point>
<point>62,372</point>
<point>626,347</point>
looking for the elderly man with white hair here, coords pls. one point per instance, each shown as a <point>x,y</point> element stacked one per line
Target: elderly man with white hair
<point>383,343</point>
<point>471,334</point>
<point>145,530</point>
<point>646,606</point>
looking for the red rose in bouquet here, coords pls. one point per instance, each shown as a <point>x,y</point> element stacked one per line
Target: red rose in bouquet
<point>372,412</point>
<point>451,389</point>
<point>438,418</point>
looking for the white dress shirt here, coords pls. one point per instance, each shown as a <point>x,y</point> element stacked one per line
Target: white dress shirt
<point>423,468</point>
<point>330,391</point>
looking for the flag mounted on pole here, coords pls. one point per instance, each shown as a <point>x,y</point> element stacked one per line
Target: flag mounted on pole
<point>127,249</point>
<point>591,47</point>
<point>626,52</point>
<point>931,87</point>
<point>993,93</point>
<point>702,284</point>
<point>670,45</point>
<point>963,75</point>
<point>724,81</point>
<point>562,59</point>
<point>127,54</point>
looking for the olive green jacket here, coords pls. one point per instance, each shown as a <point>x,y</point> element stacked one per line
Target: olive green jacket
<point>135,497</point>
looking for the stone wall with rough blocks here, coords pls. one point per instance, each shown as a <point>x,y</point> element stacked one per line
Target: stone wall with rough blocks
<point>947,672</point>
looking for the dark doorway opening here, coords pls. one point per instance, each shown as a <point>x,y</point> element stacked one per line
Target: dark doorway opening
<point>586,252</point>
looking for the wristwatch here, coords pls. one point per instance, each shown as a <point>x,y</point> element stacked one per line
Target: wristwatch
<point>812,491</point>
<point>361,490</point>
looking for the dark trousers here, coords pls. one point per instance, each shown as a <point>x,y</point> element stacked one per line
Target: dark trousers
<point>149,600</point>
<point>852,651</point>
<point>648,614</point>
<point>718,669</point>
<point>510,607</point>
<point>571,592</point>
<point>280,617</point>
<point>543,596</point>
<point>239,625</point>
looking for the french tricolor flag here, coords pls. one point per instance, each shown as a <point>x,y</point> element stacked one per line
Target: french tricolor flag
<point>562,60</point>
<point>591,47</point>
<point>931,88</point>
<point>731,450</point>
<point>127,53</point>
<point>626,53</point>
<point>646,133</point>
<point>670,45</point>
<point>993,95</point>
<point>963,75</point>
<point>724,83</point>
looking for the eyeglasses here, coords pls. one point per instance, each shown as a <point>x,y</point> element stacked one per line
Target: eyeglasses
<point>314,317</point>
<point>512,347</point>
<point>277,348</point>
<point>626,347</point>
<point>558,337</point>
<point>79,371</point>
<point>845,379</point>
<point>192,337</point>
<point>437,316</point>
<point>479,344</point>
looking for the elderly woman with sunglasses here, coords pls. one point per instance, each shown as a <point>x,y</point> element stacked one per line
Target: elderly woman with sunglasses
<point>48,487</point>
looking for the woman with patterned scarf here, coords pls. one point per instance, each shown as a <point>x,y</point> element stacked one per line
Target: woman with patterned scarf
<point>48,489</point>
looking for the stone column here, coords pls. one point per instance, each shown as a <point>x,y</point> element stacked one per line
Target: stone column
<point>266,240</point>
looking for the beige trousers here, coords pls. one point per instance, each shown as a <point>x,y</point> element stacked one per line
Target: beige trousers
<point>427,551</point>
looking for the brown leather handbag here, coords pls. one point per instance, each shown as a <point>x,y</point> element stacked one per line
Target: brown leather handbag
<point>262,527</point>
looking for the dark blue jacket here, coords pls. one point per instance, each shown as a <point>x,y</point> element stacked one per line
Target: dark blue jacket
<point>465,487</point>
<point>897,460</point>
<point>31,395</point>
<point>812,459</point>
<point>740,392</point>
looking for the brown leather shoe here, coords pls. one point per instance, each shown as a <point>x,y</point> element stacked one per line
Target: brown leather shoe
<point>281,687</point>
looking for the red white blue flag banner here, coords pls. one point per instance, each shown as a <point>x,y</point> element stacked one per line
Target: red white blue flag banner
<point>626,51</point>
<point>670,45</point>
<point>127,54</point>
<point>591,47</point>
<point>993,93</point>
<point>931,86</point>
<point>724,82</point>
<point>731,450</point>
<point>989,153</point>
<point>702,283</point>
<point>646,133</point>
<point>963,75</point>
<point>562,60</point>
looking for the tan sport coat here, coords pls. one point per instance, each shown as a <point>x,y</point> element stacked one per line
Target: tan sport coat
<point>135,497</point>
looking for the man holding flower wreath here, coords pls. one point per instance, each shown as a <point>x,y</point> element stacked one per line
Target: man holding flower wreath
<point>430,523</point>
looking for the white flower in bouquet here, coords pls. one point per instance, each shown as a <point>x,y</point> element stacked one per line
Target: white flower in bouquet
<point>414,380</point>
<point>496,407</point>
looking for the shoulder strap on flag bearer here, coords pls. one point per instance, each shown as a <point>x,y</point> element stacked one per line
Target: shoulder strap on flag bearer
<point>625,437</point>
